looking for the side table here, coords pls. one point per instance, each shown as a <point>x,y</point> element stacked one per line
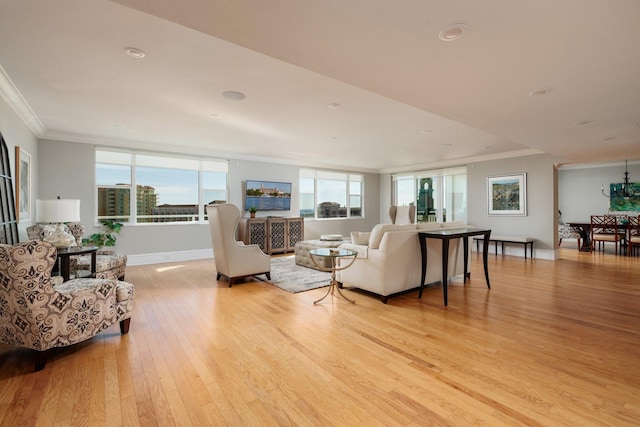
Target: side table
<point>64,259</point>
<point>333,255</point>
<point>445,236</point>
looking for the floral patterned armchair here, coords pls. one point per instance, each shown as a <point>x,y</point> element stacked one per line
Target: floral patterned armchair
<point>39,315</point>
<point>109,265</point>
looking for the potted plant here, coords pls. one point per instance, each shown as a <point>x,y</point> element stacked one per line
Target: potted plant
<point>107,237</point>
<point>252,211</point>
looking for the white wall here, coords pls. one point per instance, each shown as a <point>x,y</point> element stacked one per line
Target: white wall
<point>579,194</point>
<point>540,221</point>
<point>16,133</point>
<point>70,173</point>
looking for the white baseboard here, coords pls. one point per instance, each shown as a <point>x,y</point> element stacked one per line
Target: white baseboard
<point>159,258</point>
<point>518,250</point>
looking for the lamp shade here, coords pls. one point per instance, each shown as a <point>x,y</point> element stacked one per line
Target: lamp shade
<point>58,210</point>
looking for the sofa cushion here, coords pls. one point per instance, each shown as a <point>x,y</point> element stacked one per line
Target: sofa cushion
<point>428,225</point>
<point>360,237</point>
<point>363,250</point>
<point>378,231</point>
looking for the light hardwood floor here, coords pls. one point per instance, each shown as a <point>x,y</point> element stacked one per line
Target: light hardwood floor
<point>551,344</point>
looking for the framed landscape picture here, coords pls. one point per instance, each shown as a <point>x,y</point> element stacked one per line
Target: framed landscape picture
<point>23,184</point>
<point>507,194</point>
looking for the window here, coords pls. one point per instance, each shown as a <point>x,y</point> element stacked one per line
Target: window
<point>439,195</point>
<point>167,188</point>
<point>326,194</point>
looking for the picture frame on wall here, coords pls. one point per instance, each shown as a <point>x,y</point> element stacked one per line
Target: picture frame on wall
<point>507,195</point>
<point>23,184</point>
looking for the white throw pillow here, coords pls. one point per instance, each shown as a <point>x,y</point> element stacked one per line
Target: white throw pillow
<point>360,238</point>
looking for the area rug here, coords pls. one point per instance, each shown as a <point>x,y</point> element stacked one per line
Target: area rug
<point>293,278</point>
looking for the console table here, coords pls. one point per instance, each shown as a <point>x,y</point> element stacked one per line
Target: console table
<point>272,234</point>
<point>446,236</point>
<point>64,257</point>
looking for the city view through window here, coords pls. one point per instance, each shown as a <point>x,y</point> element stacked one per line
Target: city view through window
<point>166,189</point>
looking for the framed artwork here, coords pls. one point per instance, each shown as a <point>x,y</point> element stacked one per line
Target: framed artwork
<point>617,201</point>
<point>23,184</point>
<point>507,195</point>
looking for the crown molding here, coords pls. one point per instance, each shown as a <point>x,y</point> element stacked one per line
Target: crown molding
<point>12,96</point>
<point>574,166</point>
<point>168,148</point>
<point>153,146</point>
<point>462,161</point>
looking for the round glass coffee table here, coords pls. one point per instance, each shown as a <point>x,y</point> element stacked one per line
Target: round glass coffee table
<point>334,254</point>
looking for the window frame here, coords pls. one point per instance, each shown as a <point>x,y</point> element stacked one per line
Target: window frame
<point>319,175</point>
<point>443,184</point>
<point>145,159</point>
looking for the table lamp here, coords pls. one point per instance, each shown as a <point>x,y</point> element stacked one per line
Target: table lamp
<point>58,211</point>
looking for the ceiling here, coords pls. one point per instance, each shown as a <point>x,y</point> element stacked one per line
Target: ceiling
<point>360,84</point>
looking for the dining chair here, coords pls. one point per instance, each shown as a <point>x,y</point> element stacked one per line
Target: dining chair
<point>605,229</point>
<point>634,234</point>
<point>565,231</point>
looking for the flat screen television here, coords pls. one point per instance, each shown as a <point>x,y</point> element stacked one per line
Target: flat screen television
<point>268,195</point>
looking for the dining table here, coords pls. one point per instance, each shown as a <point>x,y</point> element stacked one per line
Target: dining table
<point>584,230</point>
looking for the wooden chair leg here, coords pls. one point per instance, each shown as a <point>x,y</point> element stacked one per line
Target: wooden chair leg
<point>41,359</point>
<point>124,326</point>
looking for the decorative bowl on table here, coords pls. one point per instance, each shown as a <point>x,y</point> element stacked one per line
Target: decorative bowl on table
<point>331,237</point>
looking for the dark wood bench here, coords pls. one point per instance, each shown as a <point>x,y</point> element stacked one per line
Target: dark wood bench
<point>526,241</point>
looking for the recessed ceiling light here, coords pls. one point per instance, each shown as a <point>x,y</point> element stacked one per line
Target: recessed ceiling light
<point>584,122</point>
<point>452,32</point>
<point>426,131</point>
<point>135,52</point>
<point>445,145</point>
<point>540,92</point>
<point>334,106</point>
<point>233,95</point>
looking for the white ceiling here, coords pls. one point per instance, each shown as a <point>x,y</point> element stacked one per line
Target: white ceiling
<point>406,98</point>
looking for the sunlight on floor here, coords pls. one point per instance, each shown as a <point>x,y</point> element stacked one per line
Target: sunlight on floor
<point>172,267</point>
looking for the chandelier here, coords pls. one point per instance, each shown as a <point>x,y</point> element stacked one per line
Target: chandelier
<point>624,190</point>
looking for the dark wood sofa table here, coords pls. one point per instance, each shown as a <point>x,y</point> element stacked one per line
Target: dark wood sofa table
<point>446,236</point>
<point>64,258</point>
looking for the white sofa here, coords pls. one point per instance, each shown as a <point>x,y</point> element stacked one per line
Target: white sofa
<point>391,262</point>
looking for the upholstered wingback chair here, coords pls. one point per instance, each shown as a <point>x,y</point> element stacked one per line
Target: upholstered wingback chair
<point>38,315</point>
<point>109,265</point>
<point>233,259</point>
<point>402,214</point>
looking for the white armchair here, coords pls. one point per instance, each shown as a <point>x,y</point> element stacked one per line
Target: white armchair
<point>233,259</point>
